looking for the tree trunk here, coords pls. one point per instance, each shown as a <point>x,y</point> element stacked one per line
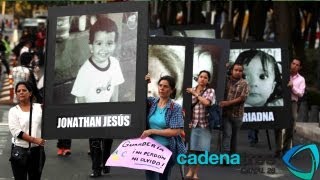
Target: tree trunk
<point>227,29</point>
<point>313,24</point>
<point>257,20</point>
<point>283,23</point>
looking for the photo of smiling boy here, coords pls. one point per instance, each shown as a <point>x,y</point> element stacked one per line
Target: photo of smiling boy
<point>99,77</point>
<point>263,75</point>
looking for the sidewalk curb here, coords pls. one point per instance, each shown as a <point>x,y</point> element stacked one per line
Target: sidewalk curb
<point>309,131</point>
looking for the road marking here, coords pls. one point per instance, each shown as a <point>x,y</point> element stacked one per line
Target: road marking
<point>4,93</point>
<point>3,133</point>
<point>6,98</point>
<point>4,120</point>
<point>5,87</point>
<point>6,83</point>
<point>4,128</point>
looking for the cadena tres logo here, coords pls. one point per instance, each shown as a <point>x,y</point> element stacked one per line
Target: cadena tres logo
<point>314,160</point>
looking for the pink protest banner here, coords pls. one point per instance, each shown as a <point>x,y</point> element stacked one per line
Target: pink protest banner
<point>140,153</point>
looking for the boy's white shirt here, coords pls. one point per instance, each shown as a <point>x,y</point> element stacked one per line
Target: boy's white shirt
<point>96,85</point>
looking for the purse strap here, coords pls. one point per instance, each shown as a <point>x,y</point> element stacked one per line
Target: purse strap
<point>30,122</point>
<point>194,104</point>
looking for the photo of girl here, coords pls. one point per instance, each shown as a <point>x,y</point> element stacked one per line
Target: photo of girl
<point>205,57</point>
<point>166,60</point>
<point>262,71</point>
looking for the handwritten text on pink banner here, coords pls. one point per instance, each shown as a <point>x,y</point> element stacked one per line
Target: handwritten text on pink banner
<point>140,153</point>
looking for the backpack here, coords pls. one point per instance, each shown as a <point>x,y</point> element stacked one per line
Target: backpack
<point>214,116</point>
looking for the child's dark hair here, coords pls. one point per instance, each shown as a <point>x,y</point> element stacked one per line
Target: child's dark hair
<point>169,59</point>
<point>103,24</point>
<point>172,84</point>
<point>26,58</point>
<point>245,58</point>
<point>27,85</point>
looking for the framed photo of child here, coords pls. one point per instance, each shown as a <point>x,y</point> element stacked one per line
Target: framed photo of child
<point>211,55</point>
<point>169,56</point>
<point>266,71</point>
<point>92,66</point>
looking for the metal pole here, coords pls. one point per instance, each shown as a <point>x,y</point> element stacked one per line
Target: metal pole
<point>230,11</point>
<point>189,11</point>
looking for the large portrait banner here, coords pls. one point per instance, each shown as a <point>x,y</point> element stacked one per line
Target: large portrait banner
<point>171,56</point>
<point>211,55</point>
<point>183,58</point>
<point>92,71</point>
<point>266,71</point>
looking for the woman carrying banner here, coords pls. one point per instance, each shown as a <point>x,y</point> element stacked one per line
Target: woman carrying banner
<point>165,123</point>
<point>27,152</point>
<point>200,140</point>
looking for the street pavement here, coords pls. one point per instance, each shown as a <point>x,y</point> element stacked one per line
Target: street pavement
<point>78,165</point>
<point>5,87</point>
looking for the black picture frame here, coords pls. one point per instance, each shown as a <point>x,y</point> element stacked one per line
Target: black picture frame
<point>187,75</point>
<point>156,32</point>
<point>267,116</point>
<point>219,51</point>
<point>135,110</point>
<point>193,31</point>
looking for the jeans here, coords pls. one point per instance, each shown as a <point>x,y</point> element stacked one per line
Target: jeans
<point>253,136</point>
<point>100,152</point>
<point>33,168</point>
<point>231,127</point>
<point>200,139</point>
<point>64,143</point>
<point>151,175</point>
